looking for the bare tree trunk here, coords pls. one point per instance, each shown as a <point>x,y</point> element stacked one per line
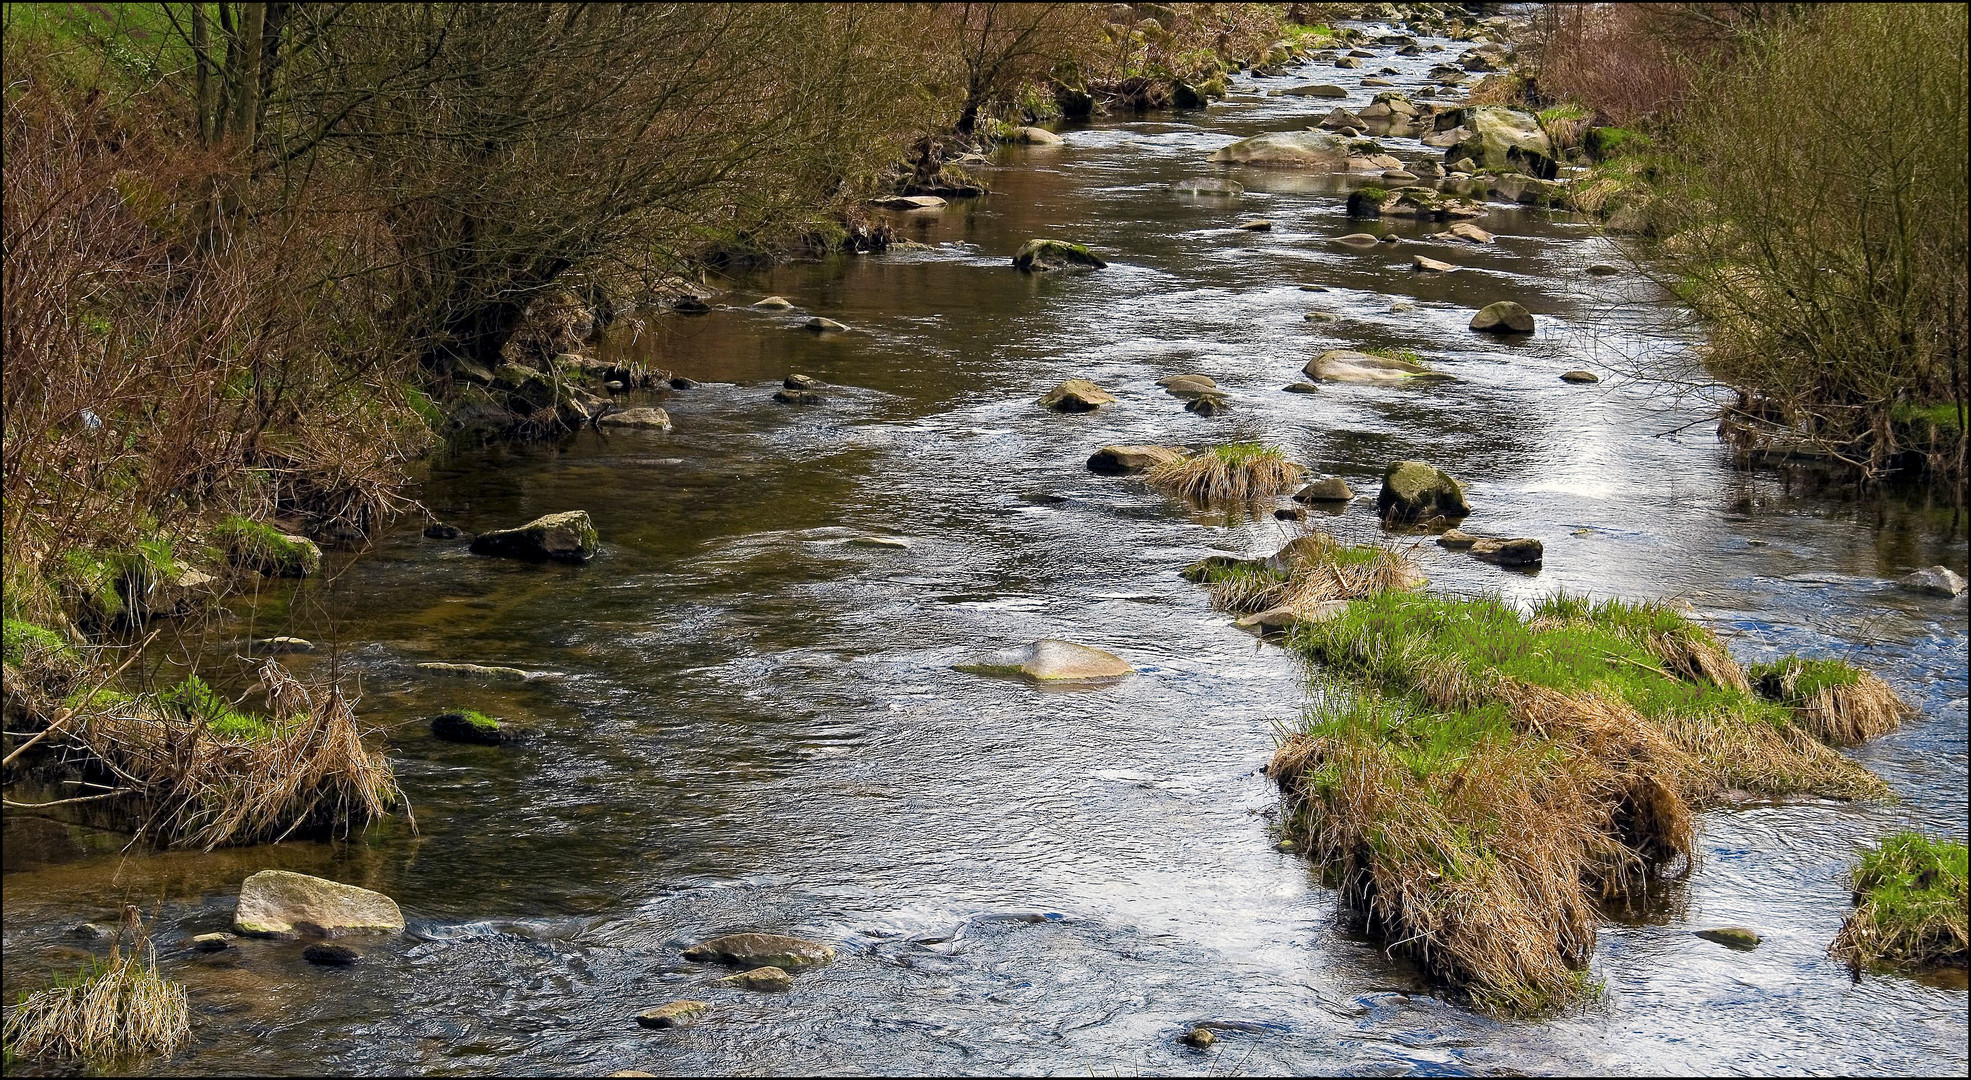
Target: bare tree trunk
<point>246,76</point>
<point>202,63</point>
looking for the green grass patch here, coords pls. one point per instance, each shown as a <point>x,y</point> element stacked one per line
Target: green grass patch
<point>1941,416</point>
<point>24,642</point>
<point>262,547</point>
<point>1565,111</point>
<point>1910,905</point>
<point>1405,355</point>
<point>1491,775</point>
<point>196,701</point>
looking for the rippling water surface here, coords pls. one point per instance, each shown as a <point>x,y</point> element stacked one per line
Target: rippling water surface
<point>748,723</point>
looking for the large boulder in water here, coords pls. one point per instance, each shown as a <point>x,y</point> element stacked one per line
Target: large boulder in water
<point>565,537</point>
<point>1349,366</point>
<point>278,903</point>
<point>1050,660</point>
<point>1414,491</point>
<point>761,950</point>
<point>1505,139</point>
<point>1076,395</point>
<point>1309,150</point>
<point>1503,317</point>
<point>1037,256</point>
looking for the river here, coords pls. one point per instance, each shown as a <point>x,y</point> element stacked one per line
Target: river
<point>752,724</point>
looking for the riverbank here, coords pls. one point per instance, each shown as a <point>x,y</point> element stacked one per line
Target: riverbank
<point>743,707</point>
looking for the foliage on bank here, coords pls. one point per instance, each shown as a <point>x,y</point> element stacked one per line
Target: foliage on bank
<point>1805,168</point>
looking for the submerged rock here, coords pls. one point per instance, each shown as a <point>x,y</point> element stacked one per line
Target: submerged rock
<point>1076,395</point>
<point>1503,317</point>
<point>1281,619</point>
<point>1457,539</point>
<point>1358,240</point>
<point>767,979</point>
<point>1116,459</point>
<point>798,397</point>
<point>906,202</point>
<point>280,903</point>
<point>1049,660</point>
<point>1521,551</point>
<point>216,942</point>
<point>1319,90</point>
<point>675,1014</point>
<point>896,543</point>
<point>1326,489</point>
<point>820,325</point>
<point>645,417</point>
<point>1578,376</point>
<point>1737,937</point>
<point>1301,388</point>
<point>1208,185</point>
<point>1935,580</point>
<point>1188,385</point>
<point>488,672</point>
<point>761,950</point>
<point>1033,136</point>
<point>439,530</point>
<point>283,644</point>
<point>1413,491</point>
<point>1039,256</point>
<point>1431,266</point>
<point>798,381</point>
<point>1198,1037</point>
<point>563,537</point>
<point>1349,366</point>
<point>1258,225</point>
<point>774,303</point>
<point>1208,404</point>
<point>1309,150</point>
<point>331,955</point>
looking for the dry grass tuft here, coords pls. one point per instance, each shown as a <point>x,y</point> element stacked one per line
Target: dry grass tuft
<point>1836,702</point>
<point>309,772</point>
<point>1235,472</point>
<point>112,1011</point>
<point>1312,568</point>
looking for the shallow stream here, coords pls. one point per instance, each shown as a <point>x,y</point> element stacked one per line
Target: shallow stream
<point>749,723</point>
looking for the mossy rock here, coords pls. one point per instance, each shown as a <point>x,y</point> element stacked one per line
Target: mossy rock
<point>473,727</point>
<point>256,546</point>
<point>563,537</point>
<point>762,950</point>
<point>1413,491</point>
<point>1038,256</point>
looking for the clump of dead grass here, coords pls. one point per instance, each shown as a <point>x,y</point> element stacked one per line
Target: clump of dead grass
<point>1312,568</point>
<point>210,782</point>
<point>1910,906</point>
<point>1233,472</point>
<point>1838,702</point>
<point>110,1010</point>
<point>1502,774</point>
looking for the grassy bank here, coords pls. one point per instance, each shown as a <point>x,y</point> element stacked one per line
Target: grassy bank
<point>1910,906</point>
<point>1478,781</point>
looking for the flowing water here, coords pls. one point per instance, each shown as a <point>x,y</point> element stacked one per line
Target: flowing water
<point>747,722</point>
